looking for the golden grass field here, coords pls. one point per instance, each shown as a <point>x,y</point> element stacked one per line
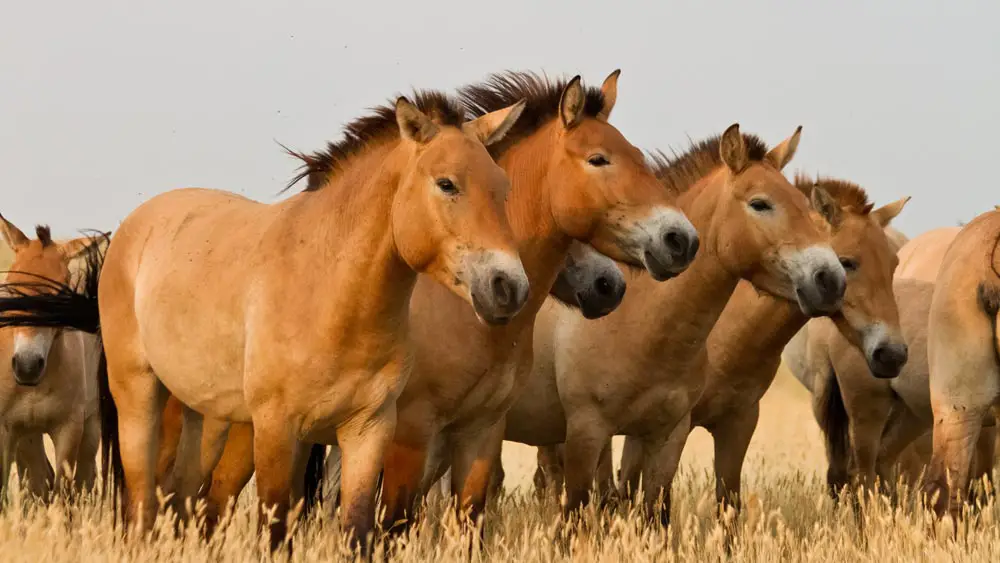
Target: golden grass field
<point>788,516</point>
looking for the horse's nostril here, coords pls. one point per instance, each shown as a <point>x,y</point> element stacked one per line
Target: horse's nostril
<point>502,290</point>
<point>675,243</point>
<point>603,286</point>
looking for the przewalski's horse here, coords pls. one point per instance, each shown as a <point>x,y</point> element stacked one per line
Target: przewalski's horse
<point>745,345</point>
<point>639,370</point>
<point>293,316</point>
<point>962,350</point>
<point>48,376</point>
<point>573,176</point>
<point>590,282</point>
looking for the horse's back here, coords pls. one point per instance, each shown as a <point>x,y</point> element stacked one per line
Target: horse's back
<point>921,257</point>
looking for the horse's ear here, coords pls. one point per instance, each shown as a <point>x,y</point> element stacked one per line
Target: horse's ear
<point>885,214</point>
<point>12,235</point>
<point>733,149</point>
<point>493,126</point>
<point>782,154</point>
<point>75,248</point>
<point>414,125</point>
<point>826,206</point>
<point>610,92</point>
<point>571,103</point>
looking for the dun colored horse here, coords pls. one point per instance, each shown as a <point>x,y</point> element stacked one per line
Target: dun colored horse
<point>639,370</point>
<point>590,282</point>
<point>48,376</point>
<point>745,345</point>
<point>293,316</point>
<point>962,350</point>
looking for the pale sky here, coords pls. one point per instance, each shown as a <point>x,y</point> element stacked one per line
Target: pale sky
<point>106,103</point>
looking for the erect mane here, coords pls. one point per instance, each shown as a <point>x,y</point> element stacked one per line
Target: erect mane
<point>377,127</point>
<point>678,172</point>
<point>44,234</point>
<point>848,195</point>
<point>541,96</point>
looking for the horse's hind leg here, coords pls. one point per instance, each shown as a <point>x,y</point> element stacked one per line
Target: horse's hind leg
<point>170,438</point>
<point>138,397</point>
<point>231,474</point>
<point>660,463</point>
<point>199,449</point>
<point>982,471</point>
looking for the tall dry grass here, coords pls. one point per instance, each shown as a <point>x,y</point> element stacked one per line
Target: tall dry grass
<point>788,516</point>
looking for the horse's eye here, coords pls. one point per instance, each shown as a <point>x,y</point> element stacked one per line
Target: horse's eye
<point>849,264</point>
<point>598,160</point>
<point>447,186</point>
<point>760,205</point>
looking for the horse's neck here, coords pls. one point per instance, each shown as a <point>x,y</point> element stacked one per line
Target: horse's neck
<point>752,329</point>
<point>689,306</point>
<point>541,246</point>
<point>339,241</point>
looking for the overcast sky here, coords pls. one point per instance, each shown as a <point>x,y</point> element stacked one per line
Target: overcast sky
<point>106,103</point>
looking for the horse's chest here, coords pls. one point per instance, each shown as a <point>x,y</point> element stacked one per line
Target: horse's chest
<point>32,409</point>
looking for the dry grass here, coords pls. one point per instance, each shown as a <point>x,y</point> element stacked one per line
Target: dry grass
<point>788,517</point>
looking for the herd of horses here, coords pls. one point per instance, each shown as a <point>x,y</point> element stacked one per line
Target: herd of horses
<point>391,323</point>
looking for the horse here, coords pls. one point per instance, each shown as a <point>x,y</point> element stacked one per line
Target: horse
<point>48,378</point>
<point>962,352</point>
<point>589,282</point>
<point>745,345</point>
<point>292,316</point>
<point>639,370</point>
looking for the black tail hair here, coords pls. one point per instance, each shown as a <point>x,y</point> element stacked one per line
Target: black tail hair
<point>315,475</point>
<point>835,425</point>
<point>50,303</point>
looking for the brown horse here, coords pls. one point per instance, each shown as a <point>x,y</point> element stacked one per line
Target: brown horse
<point>292,316</point>
<point>573,176</point>
<point>639,370</point>
<point>48,376</point>
<point>962,350</point>
<point>745,345</point>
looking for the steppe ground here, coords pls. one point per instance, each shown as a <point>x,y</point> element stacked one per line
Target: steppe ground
<point>788,516</point>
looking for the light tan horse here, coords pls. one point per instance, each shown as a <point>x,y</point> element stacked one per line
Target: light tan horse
<point>920,259</point>
<point>48,376</point>
<point>590,282</point>
<point>639,370</point>
<point>745,345</point>
<point>293,316</point>
<point>962,349</point>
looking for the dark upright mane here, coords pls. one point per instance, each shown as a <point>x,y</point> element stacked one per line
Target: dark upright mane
<point>680,171</point>
<point>44,234</point>
<point>541,97</point>
<point>377,127</point>
<point>849,196</point>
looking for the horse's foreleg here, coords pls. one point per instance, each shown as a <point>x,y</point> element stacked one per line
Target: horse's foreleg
<point>275,449</point>
<point>33,465</point>
<point>86,459</point>
<point>363,442</point>
<point>473,454</point>
<point>731,437</point>
<point>550,473</point>
<point>630,474</point>
<point>661,459</point>
<point>402,474</point>
<point>584,442</point>
<point>66,438</point>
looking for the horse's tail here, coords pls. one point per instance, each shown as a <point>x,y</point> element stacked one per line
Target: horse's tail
<point>835,425</point>
<point>112,472</point>
<point>315,473</point>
